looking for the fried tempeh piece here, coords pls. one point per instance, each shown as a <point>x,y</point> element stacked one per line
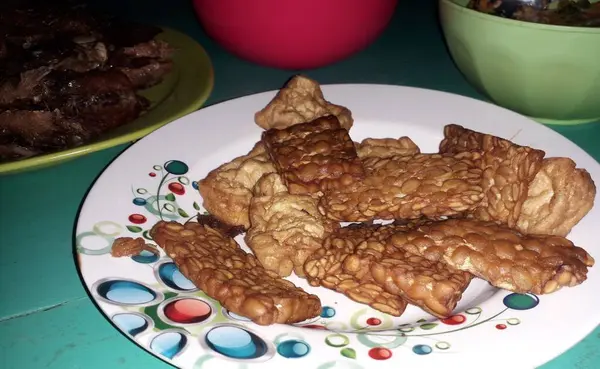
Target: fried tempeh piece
<point>358,256</point>
<point>315,156</point>
<point>218,266</point>
<point>507,171</point>
<point>300,100</point>
<point>559,196</point>
<point>325,268</point>
<point>500,255</point>
<point>285,229</point>
<point>409,187</point>
<point>386,147</point>
<point>226,191</point>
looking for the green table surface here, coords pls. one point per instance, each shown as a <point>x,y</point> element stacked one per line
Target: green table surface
<point>47,319</point>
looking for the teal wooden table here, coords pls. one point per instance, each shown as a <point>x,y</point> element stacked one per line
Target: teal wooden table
<point>47,319</point>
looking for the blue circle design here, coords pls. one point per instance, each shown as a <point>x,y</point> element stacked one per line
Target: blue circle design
<point>176,167</point>
<point>169,344</point>
<point>518,301</point>
<point>327,312</point>
<point>145,257</point>
<point>195,185</point>
<point>171,276</point>
<point>126,292</point>
<point>133,324</point>
<point>293,349</point>
<point>235,342</point>
<point>422,349</point>
<point>139,201</point>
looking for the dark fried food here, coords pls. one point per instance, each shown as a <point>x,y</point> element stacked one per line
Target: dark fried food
<point>386,147</point>
<point>507,171</point>
<point>315,156</point>
<point>409,187</point>
<point>300,100</point>
<point>226,191</point>
<point>358,257</point>
<point>285,229</point>
<point>501,256</point>
<point>559,196</point>
<point>218,266</point>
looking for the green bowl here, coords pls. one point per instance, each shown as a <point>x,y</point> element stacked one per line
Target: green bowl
<point>549,73</point>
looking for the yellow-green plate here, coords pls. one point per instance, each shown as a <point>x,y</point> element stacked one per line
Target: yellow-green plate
<point>182,91</point>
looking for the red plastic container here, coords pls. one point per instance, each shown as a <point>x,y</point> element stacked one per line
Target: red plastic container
<point>294,34</point>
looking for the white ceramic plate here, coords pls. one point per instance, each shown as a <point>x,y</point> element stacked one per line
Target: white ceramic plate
<point>149,300</point>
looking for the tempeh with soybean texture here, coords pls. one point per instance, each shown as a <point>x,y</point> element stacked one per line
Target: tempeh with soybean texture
<point>359,256</point>
<point>217,265</point>
<point>502,256</point>
<point>409,187</point>
<point>315,156</point>
<point>325,268</point>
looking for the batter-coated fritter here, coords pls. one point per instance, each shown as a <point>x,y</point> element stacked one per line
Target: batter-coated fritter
<point>358,257</point>
<point>409,187</point>
<point>300,100</point>
<point>559,196</point>
<point>386,147</point>
<point>285,229</point>
<point>222,270</point>
<point>507,171</point>
<point>315,156</point>
<point>500,255</point>
<point>226,191</point>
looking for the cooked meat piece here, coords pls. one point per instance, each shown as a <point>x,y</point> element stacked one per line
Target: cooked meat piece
<point>148,74</point>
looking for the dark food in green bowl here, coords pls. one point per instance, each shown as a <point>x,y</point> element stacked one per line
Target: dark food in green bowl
<point>576,13</point>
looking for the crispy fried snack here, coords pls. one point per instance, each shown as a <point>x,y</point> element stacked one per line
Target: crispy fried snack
<point>314,156</point>
<point>223,271</point>
<point>559,196</point>
<point>409,187</point>
<point>300,100</point>
<point>285,228</point>
<point>326,268</point>
<point>507,170</point>
<point>386,147</point>
<point>357,257</point>
<point>501,256</point>
<point>227,190</point>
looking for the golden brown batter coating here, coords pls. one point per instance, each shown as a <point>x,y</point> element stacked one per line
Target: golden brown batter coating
<point>559,196</point>
<point>222,270</point>
<point>409,187</point>
<point>358,257</point>
<point>285,229</point>
<point>507,171</point>
<point>300,100</point>
<point>500,255</point>
<point>226,191</point>
<point>315,156</point>
<point>386,147</point>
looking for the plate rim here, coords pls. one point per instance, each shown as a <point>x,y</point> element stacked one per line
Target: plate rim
<point>54,158</point>
<point>582,331</point>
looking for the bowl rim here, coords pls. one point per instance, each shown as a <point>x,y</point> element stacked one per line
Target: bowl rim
<point>513,22</point>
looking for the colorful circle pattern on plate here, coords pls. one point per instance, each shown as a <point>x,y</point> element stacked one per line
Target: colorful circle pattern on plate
<point>171,313</point>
